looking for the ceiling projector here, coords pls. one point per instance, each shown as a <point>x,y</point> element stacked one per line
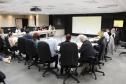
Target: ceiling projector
<point>35,8</point>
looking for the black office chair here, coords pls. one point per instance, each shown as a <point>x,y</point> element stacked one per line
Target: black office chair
<point>123,44</point>
<point>44,55</point>
<point>21,46</point>
<point>1,44</point>
<point>31,56</point>
<point>2,77</point>
<point>69,59</point>
<point>93,62</point>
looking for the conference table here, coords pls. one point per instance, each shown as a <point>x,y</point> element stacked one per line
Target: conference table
<point>20,34</point>
<point>46,32</point>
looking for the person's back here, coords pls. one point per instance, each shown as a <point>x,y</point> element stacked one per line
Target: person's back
<point>27,35</point>
<point>87,49</point>
<point>52,44</point>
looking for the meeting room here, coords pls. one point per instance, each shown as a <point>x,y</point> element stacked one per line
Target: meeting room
<point>62,42</point>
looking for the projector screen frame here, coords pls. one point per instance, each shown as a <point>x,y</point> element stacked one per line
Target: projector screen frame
<point>87,16</point>
<point>118,20</point>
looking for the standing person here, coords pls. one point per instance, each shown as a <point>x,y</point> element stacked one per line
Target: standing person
<point>117,37</point>
<point>107,34</point>
<point>111,44</point>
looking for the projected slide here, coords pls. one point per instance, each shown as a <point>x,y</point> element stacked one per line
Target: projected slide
<point>118,23</point>
<point>86,24</point>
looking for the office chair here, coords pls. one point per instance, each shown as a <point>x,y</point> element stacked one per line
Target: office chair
<point>1,44</point>
<point>2,77</point>
<point>123,45</point>
<point>21,46</point>
<point>69,59</point>
<point>31,56</point>
<point>93,62</point>
<point>44,55</point>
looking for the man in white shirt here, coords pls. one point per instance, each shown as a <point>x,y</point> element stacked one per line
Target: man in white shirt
<point>17,30</point>
<point>12,40</point>
<point>106,35</point>
<point>53,48</point>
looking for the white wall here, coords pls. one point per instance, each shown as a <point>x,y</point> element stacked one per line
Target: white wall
<point>43,20</point>
<point>40,20</point>
<point>31,21</point>
<point>9,20</point>
<point>60,32</point>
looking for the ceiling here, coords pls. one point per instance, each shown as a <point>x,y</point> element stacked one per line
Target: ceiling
<point>62,6</point>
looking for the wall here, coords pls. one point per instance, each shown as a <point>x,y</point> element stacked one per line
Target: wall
<point>107,21</point>
<point>43,20</point>
<point>31,20</point>
<point>9,20</point>
<point>40,20</point>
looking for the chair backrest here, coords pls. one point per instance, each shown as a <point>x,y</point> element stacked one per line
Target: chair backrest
<point>30,48</point>
<point>69,54</point>
<point>21,45</point>
<point>1,43</point>
<point>7,43</point>
<point>44,52</point>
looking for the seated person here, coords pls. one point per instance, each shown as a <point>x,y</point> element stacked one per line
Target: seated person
<point>12,40</point>
<point>99,47</point>
<point>36,38</point>
<point>2,33</point>
<point>68,39</point>
<point>86,50</point>
<point>18,30</point>
<point>27,35</point>
<point>53,48</point>
<point>23,29</point>
<point>12,43</point>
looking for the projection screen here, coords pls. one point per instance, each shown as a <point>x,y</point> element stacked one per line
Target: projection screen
<point>86,24</point>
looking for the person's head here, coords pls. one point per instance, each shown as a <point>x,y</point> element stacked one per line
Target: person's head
<point>27,31</point>
<point>82,38</point>
<point>101,34</point>
<point>113,30</point>
<point>107,30</point>
<point>36,36</point>
<point>68,37</point>
<point>10,34</point>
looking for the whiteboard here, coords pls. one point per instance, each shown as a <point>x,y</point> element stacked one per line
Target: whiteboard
<point>86,24</point>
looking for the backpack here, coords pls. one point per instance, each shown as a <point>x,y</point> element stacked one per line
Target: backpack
<point>2,77</point>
